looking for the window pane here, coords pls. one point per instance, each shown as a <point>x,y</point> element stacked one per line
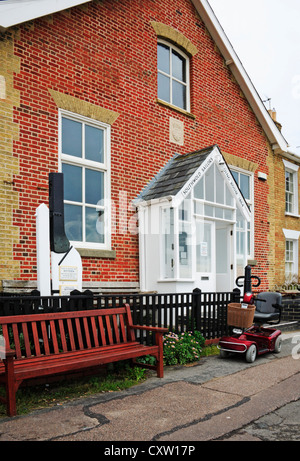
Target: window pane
<point>199,189</point>
<point>221,251</point>
<point>236,176</point>
<point>229,199</point>
<point>220,187</point>
<point>203,247</point>
<point>288,202</point>
<point>219,213</point>
<point>245,186</point>
<point>208,210</point>
<point>210,184</point>
<point>178,95</point>
<point>163,58</point>
<point>73,222</point>
<point>71,137</point>
<point>289,182</point>
<point>168,241</point>
<point>199,208</point>
<point>72,182</point>
<point>94,186</point>
<point>228,214</point>
<point>94,144</point>
<point>185,251</point>
<point>163,84</point>
<point>185,209</point>
<point>94,222</point>
<point>178,66</point>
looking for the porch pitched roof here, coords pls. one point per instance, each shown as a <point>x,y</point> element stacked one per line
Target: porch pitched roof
<point>171,179</point>
<point>175,181</point>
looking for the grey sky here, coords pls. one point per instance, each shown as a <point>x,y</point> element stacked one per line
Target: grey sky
<point>266,36</point>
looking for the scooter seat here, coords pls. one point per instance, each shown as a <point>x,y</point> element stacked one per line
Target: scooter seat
<point>261,316</point>
<point>268,307</point>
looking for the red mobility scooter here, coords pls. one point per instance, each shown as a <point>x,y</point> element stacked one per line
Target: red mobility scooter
<point>248,335</point>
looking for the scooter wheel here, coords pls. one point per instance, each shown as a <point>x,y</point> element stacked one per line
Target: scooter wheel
<point>278,344</point>
<point>251,354</point>
<point>224,354</point>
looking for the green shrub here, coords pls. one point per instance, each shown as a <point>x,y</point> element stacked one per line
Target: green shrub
<point>182,348</point>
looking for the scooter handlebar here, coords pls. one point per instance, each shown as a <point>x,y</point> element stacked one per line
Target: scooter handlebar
<point>242,278</point>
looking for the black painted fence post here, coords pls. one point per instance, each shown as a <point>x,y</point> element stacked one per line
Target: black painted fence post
<point>196,310</point>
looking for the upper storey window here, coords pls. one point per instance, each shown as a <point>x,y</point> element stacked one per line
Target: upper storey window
<point>291,188</point>
<point>172,75</point>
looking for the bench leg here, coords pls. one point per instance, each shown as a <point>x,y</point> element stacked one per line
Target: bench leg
<point>10,385</point>
<point>160,356</point>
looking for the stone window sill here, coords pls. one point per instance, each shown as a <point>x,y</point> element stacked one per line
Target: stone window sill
<point>91,253</point>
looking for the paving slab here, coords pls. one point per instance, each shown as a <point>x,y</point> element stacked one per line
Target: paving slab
<point>213,400</point>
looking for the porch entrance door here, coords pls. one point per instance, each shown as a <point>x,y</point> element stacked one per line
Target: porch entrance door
<point>224,257</point>
<point>205,255</point>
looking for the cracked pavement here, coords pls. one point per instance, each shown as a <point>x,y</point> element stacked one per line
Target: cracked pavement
<point>216,399</point>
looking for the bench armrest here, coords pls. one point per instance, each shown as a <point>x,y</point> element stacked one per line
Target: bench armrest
<point>159,330</point>
<point>9,353</point>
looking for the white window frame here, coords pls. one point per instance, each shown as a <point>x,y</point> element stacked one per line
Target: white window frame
<point>104,167</point>
<point>250,202</point>
<point>186,84</point>
<point>292,236</point>
<point>293,170</point>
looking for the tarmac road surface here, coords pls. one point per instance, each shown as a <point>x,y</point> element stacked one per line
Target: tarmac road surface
<point>214,400</point>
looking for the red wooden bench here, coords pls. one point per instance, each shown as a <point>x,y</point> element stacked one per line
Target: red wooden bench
<point>57,343</point>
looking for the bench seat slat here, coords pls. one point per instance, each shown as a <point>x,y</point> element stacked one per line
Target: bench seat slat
<point>35,361</point>
<point>63,364</point>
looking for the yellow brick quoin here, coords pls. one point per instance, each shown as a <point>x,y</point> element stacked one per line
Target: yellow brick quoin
<point>9,99</point>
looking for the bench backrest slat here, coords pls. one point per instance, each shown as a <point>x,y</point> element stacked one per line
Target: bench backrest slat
<point>123,330</point>
<point>102,332</point>
<point>87,333</point>
<point>53,336</point>
<point>16,340</point>
<point>116,328</point>
<point>55,333</point>
<point>71,336</point>
<point>94,331</point>
<point>36,339</point>
<point>108,329</point>
<point>26,339</point>
<point>62,335</point>
<point>45,337</point>
<point>78,331</point>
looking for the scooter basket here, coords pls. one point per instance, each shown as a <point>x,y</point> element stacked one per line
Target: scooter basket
<point>240,317</point>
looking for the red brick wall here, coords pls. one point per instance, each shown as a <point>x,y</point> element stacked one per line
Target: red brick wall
<point>105,54</point>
